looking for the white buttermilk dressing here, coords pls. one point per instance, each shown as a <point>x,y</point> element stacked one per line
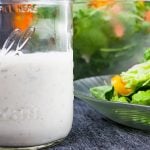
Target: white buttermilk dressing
<point>36,98</point>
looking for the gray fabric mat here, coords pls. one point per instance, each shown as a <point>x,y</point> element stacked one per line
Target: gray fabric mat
<point>92,131</point>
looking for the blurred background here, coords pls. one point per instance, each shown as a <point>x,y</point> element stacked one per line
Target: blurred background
<point>109,35</point>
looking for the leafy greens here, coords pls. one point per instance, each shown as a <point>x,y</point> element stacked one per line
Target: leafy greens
<point>136,80</point>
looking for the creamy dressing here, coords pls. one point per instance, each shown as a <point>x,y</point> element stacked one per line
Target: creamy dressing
<point>36,98</point>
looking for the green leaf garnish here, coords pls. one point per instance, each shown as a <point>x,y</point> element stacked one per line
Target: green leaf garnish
<point>102,92</point>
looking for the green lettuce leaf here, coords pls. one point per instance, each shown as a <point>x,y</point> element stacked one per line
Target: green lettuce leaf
<point>141,97</point>
<point>137,76</point>
<point>102,92</point>
<point>147,54</point>
<point>120,99</point>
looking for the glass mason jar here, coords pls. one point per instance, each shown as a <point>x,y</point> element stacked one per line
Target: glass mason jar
<point>36,72</point>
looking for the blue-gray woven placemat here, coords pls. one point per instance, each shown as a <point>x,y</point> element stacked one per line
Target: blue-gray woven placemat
<point>91,131</point>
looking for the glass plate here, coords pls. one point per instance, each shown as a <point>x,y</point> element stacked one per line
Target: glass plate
<point>136,116</point>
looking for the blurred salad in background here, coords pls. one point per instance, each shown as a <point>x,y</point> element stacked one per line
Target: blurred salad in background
<point>109,35</point>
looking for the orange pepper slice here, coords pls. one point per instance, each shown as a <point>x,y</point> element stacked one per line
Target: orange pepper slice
<point>23,16</point>
<point>119,86</point>
<point>119,30</point>
<point>100,3</point>
<point>23,20</point>
<point>147,16</point>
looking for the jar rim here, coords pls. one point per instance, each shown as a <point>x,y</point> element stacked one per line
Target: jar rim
<point>33,1</point>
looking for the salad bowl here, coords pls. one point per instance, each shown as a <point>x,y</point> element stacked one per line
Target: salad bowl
<point>131,115</point>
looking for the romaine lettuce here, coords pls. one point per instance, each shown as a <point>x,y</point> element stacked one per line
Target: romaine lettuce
<point>137,76</point>
<point>120,99</point>
<point>141,97</point>
<point>101,92</point>
<point>147,54</point>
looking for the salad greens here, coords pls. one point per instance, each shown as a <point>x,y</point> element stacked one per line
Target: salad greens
<point>138,76</point>
<point>141,97</point>
<point>132,86</point>
<point>101,91</point>
<point>104,39</point>
<point>120,99</point>
<point>147,54</point>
